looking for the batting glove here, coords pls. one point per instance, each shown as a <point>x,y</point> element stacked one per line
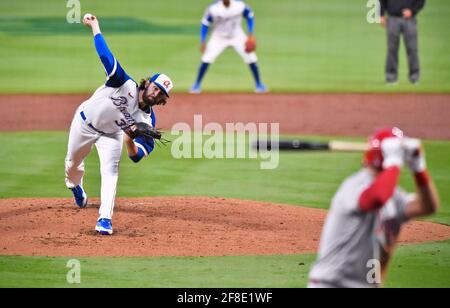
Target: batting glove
<point>393,152</point>
<point>414,155</point>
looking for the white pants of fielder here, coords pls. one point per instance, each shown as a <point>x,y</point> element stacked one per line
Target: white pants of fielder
<point>217,44</point>
<point>109,148</point>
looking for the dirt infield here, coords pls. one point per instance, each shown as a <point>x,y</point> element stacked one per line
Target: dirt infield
<point>420,115</point>
<point>171,226</point>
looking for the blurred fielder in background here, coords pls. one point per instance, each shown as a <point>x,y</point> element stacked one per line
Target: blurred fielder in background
<point>226,18</point>
<point>368,210</point>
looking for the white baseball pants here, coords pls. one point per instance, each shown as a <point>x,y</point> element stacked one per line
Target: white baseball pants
<point>109,147</point>
<point>217,44</point>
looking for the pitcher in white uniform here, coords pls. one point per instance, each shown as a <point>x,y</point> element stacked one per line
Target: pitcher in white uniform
<point>225,16</point>
<point>101,120</point>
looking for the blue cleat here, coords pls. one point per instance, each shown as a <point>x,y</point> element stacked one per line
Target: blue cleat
<point>261,88</point>
<point>104,226</point>
<point>195,89</point>
<point>80,197</point>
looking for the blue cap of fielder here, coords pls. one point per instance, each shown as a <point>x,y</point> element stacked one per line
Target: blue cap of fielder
<point>163,82</point>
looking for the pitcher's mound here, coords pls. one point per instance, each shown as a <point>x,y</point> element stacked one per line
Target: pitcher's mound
<point>172,226</point>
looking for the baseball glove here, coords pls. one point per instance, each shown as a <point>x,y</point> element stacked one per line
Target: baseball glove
<point>250,44</point>
<point>142,129</point>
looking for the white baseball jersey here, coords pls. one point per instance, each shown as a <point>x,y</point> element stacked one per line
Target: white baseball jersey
<point>227,21</point>
<point>351,237</point>
<point>227,30</point>
<point>114,106</point>
<point>109,110</point>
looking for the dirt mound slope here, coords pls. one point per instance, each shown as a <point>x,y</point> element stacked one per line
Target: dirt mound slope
<point>171,226</point>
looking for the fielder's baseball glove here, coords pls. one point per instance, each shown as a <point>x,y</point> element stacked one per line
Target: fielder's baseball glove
<point>250,44</point>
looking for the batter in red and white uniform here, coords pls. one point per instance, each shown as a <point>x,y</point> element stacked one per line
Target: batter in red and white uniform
<point>368,210</point>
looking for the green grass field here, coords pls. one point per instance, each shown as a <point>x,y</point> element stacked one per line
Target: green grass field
<point>32,166</point>
<point>306,46</point>
<point>424,265</point>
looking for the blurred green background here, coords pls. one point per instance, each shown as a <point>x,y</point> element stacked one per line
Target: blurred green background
<point>303,46</point>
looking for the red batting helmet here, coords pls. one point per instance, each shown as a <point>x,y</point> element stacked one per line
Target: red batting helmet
<point>373,156</point>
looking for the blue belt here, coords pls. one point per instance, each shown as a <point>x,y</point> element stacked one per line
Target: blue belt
<point>83,116</point>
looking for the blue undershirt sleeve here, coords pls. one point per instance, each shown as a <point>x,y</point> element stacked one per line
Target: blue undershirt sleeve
<point>115,73</point>
<point>140,154</point>
<point>204,33</point>
<point>249,16</point>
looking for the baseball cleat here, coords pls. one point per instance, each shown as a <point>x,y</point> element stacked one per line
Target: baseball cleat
<point>261,88</point>
<point>80,196</point>
<point>104,226</point>
<point>195,89</point>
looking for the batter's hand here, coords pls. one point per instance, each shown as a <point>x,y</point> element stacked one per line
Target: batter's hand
<point>393,152</point>
<point>414,155</point>
<point>203,48</point>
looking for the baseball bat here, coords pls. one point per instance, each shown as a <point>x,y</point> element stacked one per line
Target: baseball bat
<point>304,145</point>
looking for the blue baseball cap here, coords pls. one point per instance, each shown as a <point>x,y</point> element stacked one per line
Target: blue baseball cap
<point>163,82</point>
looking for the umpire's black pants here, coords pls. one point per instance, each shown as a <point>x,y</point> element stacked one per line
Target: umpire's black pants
<point>408,27</point>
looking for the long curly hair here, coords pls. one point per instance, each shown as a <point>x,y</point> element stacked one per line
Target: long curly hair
<point>142,83</point>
